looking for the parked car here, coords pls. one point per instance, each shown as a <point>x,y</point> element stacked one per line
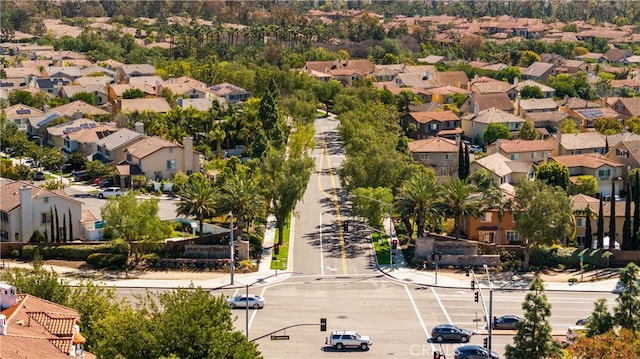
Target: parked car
<point>506,322</point>
<point>80,176</point>
<point>243,301</point>
<point>39,176</point>
<point>104,182</point>
<point>110,192</point>
<point>583,321</point>
<point>473,352</point>
<point>341,339</point>
<point>449,332</point>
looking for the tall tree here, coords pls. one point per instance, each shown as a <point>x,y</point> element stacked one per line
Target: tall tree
<point>417,198</point>
<point>326,91</point>
<point>197,199</point>
<point>70,227</point>
<point>600,233</point>
<point>52,225</point>
<point>533,339</point>
<point>588,235</point>
<point>241,195</point>
<point>461,170</point>
<point>269,114</point>
<point>495,131</point>
<point>600,321</point>
<point>635,233</point>
<point>55,210</point>
<point>612,217</point>
<point>627,312</point>
<point>626,226</point>
<point>543,214</point>
<point>457,201</point>
<point>370,203</point>
<point>528,131</point>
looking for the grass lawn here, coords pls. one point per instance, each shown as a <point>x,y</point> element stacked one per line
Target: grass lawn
<point>281,260</point>
<point>382,250</point>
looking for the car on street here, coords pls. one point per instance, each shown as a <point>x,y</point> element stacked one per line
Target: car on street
<point>506,322</point>
<point>583,321</point>
<point>450,333</point>
<point>39,176</point>
<point>473,352</point>
<point>80,176</point>
<point>243,301</point>
<point>110,192</point>
<point>341,339</point>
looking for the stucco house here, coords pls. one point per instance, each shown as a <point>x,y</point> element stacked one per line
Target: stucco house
<point>604,170</point>
<point>522,150</point>
<point>25,208</point>
<point>439,154</point>
<point>420,125</point>
<point>502,168</point>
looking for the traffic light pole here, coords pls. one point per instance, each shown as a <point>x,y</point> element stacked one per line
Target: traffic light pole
<point>490,311</point>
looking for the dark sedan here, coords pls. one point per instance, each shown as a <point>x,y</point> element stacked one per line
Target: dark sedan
<point>473,352</point>
<point>450,333</point>
<point>506,322</point>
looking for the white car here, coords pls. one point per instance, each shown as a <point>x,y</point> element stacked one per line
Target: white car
<point>110,192</point>
<point>341,339</point>
<point>242,301</point>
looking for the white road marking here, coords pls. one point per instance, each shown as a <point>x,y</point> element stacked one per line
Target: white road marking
<point>415,308</point>
<point>441,306</point>
<point>332,269</point>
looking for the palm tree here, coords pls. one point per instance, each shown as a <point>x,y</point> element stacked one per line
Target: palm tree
<point>417,199</point>
<point>242,196</point>
<point>197,199</point>
<point>494,199</point>
<point>458,201</point>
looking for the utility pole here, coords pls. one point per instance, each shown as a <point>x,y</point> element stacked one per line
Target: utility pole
<point>233,262</point>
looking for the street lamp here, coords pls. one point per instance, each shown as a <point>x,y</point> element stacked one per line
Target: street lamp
<point>390,225</point>
<point>486,268</point>
<point>233,264</point>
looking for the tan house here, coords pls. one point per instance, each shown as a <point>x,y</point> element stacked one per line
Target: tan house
<point>522,150</point>
<point>56,134</point>
<point>439,154</point>
<point>504,170</point>
<point>25,208</point>
<point>112,148</point>
<point>79,109</point>
<point>126,72</point>
<point>577,143</point>
<point>21,115</point>
<point>159,159</point>
<point>158,105</point>
<point>594,164</point>
<point>84,138</point>
<point>36,328</point>
<point>582,204</point>
<point>627,153</point>
<point>345,71</point>
<point>475,124</point>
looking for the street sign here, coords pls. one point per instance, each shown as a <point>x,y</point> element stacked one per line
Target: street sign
<point>279,337</point>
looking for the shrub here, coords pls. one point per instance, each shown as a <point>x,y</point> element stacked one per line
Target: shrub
<point>36,237</point>
<point>66,252</point>
<point>107,260</point>
<point>15,253</point>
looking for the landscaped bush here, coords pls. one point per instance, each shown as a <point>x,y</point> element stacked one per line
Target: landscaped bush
<point>107,260</point>
<point>65,252</point>
<point>551,257</point>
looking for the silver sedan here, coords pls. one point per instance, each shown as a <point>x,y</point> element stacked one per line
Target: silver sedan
<point>242,301</point>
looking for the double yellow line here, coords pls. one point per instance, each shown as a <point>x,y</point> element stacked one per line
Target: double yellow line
<point>334,198</point>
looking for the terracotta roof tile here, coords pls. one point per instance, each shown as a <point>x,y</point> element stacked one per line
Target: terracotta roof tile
<point>588,160</point>
<point>518,146</point>
<point>431,145</point>
<point>426,117</point>
<point>148,146</point>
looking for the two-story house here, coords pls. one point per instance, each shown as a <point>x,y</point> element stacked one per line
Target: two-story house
<point>514,91</point>
<point>522,150</point>
<point>577,143</point>
<point>111,149</point>
<point>538,71</point>
<point>627,153</point>
<point>21,115</point>
<point>99,91</point>
<point>345,71</point>
<point>496,225</point>
<point>439,154</point>
<point>25,208</point>
<point>158,105</point>
<point>79,109</point>
<point>158,159</point>
<point>126,72</point>
<point>627,106</point>
<point>230,93</point>
<point>586,208</point>
<point>56,134</point>
<point>475,124</point>
<point>503,170</point>
<point>84,139</point>
<point>604,170</point>
<point>420,125</point>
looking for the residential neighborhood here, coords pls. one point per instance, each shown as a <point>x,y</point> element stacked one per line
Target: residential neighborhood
<point>497,143</point>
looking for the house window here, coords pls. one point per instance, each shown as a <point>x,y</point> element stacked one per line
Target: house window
<point>4,236</point>
<point>46,200</point>
<point>513,237</point>
<point>129,157</point>
<point>4,216</point>
<point>503,179</point>
<point>447,156</point>
<point>486,217</point>
<point>487,237</point>
<point>514,157</point>
<point>604,173</point>
<point>171,150</point>
<point>622,153</point>
<point>533,155</point>
<point>433,127</point>
<point>45,217</point>
<point>424,156</point>
<point>171,164</point>
<point>67,143</point>
<point>580,222</point>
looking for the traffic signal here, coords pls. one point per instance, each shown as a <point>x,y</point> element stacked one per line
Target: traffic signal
<point>467,273</point>
<point>436,355</point>
<point>439,256</point>
<point>394,244</point>
<point>345,226</point>
<point>276,249</point>
<point>486,343</point>
<point>473,285</point>
<point>475,297</point>
<point>323,324</point>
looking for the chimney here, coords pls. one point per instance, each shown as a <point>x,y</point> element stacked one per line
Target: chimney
<point>139,126</point>
<point>518,105</point>
<point>187,143</point>
<point>45,108</point>
<point>458,139</point>
<point>77,114</point>
<point>8,296</point>
<point>26,212</point>
<point>515,81</point>
<point>476,110</point>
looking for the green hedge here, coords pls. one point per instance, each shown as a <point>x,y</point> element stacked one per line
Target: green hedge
<point>67,252</point>
<point>107,260</point>
<point>551,257</point>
